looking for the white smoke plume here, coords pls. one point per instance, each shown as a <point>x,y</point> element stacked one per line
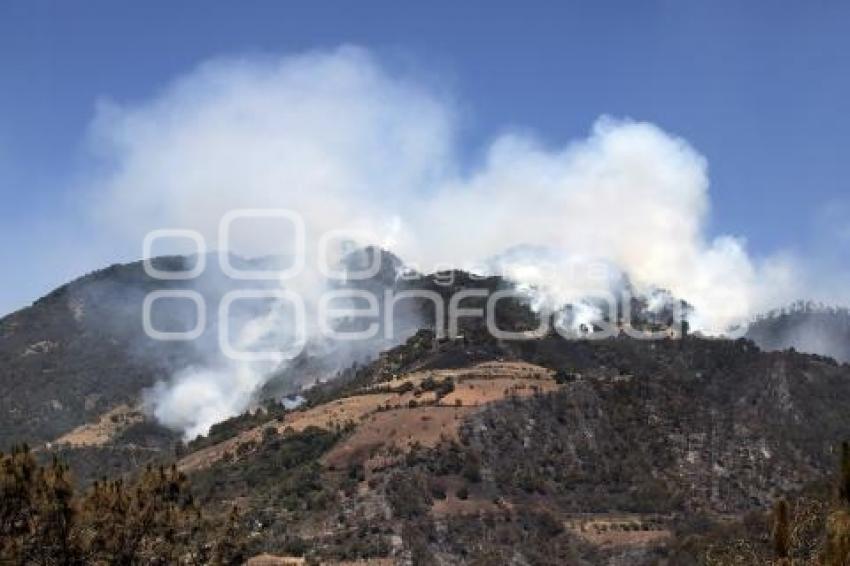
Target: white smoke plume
<point>198,397</point>
<point>350,145</point>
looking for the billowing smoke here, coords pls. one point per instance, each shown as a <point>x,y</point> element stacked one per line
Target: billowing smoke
<point>200,395</point>
<point>352,146</point>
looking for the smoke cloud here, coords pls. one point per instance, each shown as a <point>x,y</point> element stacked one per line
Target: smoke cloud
<point>353,146</point>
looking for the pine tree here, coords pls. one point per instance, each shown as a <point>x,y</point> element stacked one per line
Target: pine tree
<point>37,511</point>
<point>230,548</point>
<point>781,531</point>
<point>18,503</point>
<point>844,481</point>
<point>57,513</point>
<point>837,549</point>
<point>153,520</point>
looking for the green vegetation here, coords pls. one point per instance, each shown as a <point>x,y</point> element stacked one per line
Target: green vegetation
<point>282,472</point>
<point>229,428</point>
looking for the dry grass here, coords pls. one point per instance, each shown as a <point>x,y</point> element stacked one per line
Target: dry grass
<point>477,391</point>
<point>385,419</point>
<point>327,416</point>
<point>365,562</point>
<point>272,560</point>
<point>348,409</point>
<point>397,429</point>
<point>486,370</point>
<point>108,426</point>
<point>618,530</point>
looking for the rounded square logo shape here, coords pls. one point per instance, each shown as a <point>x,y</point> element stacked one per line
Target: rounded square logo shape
<point>605,322</point>
<point>184,336</point>
<point>298,244</point>
<point>375,255</point>
<point>499,334</point>
<point>234,353</point>
<point>176,233</point>
<point>329,314</point>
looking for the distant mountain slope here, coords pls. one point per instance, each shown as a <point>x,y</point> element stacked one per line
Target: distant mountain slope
<point>81,350</point>
<point>70,356</point>
<point>807,328</point>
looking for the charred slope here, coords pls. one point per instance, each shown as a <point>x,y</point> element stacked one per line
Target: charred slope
<point>719,423</point>
<point>666,427</point>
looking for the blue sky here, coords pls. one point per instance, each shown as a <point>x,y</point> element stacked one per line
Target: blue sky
<point>759,88</point>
